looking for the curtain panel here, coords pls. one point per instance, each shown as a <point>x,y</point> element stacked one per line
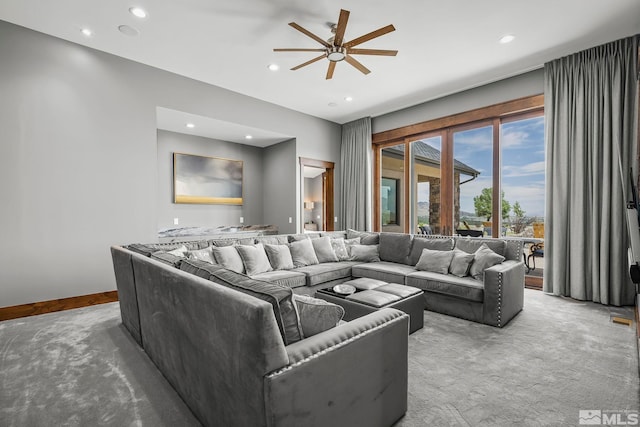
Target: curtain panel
<point>355,172</point>
<point>590,118</point>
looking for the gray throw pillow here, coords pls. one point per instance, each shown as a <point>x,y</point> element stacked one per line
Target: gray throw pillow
<point>229,258</point>
<point>205,254</point>
<point>420,243</point>
<point>471,245</point>
<point>323,249</point>
<point>254,259</point>
<point>483,259</point>
<point>302,253</point>
<point>279,257</point>
<point>340,249</point>
<point>317,315</point>
<point>435,261</point>
<point>364,253</point>
<point>460,263</point>
<point>181,251</point>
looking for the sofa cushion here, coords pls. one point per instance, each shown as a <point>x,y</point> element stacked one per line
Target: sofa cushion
<point>317,315</point>
<point>205,254</point>
<point>364,253</point>
<point>290,279</point>
<point>435,261</point>
<point>334,234</point>
<point>470,245</point>
<point>228,257</point>
<point>223,242</point>
<point>149,248</point>
<point>324,250</point>
<point>366,237</point>
<point>272,240</point>
<point>302,253</point>
<point>483,259</point>
<point>459,287</point>
<point>302,236</point>
<point>389,272</point>
<point>279,256</point>
<point>460,263</point>
<point>199,268</point>
<point>254,259</point>
<point>419,243</point>
<point>395,247</point>
<point>322,273</point>
<point>340,249</point>
<point>280,298</point>
<point>167,258</point>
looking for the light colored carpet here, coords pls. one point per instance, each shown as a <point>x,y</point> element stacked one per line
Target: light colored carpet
<point>81,368</point>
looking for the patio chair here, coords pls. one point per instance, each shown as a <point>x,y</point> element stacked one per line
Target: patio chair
<point>536,249</point>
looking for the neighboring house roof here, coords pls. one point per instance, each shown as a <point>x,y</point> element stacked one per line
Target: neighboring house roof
<point>427,154</point>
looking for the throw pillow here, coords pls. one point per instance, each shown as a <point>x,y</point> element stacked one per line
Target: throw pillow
<point>364,253</point>
<point>279,257</point>
<point>317,315</point>
<point>340,249</point>
<point>420,243</point>
<point>483,259</point>
<point>324,251</point>
<point>366,238</point>
<point>471,245</point>
<point>228,257</point>
<point>181,251</point>
<point>205,254</point>
<point>460,263</point>
<point>302,253</point>
<point>435,261</point>
<point>254,259</point>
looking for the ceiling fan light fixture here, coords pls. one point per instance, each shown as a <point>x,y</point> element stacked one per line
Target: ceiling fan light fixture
<point>336,53</point>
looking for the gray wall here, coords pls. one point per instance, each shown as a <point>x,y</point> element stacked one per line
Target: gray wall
<point>191,215</point>
<point>79,163</point>
<point>531,83</point>
<point>279,184</point>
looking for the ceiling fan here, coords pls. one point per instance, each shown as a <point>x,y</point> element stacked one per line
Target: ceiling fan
<point>336,49</point>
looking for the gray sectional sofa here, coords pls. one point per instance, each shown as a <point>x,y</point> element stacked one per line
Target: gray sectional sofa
<point>220,320</point>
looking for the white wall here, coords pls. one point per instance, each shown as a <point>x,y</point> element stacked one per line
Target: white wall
<point>79,162</point>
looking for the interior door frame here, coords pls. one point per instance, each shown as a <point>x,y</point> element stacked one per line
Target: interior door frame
<point>328,194</point>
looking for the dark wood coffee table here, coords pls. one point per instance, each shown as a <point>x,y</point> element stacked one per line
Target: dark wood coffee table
<point>372,295</point>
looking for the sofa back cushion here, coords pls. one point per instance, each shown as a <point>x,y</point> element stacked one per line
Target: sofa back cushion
<point>280,297</point>
<point>281,239</point>
<point>395,247</point>
<point>434,244</point>
<point>366,237</point>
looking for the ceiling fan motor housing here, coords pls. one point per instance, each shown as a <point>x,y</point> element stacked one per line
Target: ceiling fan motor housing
<point>336,53</point>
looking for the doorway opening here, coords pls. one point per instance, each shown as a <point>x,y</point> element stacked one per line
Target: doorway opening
<point>316,186</point>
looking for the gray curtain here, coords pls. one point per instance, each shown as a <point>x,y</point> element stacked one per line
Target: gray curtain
<point>355,173</point>
<point>590,118</point>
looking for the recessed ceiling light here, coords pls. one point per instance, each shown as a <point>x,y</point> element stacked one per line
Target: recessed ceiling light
<point>332,104</point>
<point>129,31</point>
<point>274,67</point>
<point>348,98</point>
<point>248,137</point>
<point>190,125</point>
<point>507,38</point>
<point>87,32</point>
<point>138,12</point>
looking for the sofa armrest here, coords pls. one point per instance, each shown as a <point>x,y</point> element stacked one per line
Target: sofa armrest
<point>503,292</point>
<point>353,374</point>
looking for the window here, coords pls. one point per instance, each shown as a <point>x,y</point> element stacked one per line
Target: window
<point>389,201</point>
<point>482,170</point>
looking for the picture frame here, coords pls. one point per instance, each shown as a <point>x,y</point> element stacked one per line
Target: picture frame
<point>207,180</point>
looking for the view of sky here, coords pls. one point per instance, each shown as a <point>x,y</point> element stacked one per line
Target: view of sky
<point>523,164</point>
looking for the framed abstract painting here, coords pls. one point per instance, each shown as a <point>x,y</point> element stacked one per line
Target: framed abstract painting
<point>206,180</point>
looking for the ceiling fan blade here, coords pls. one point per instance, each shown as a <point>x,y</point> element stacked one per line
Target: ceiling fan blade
<point>342,26</point>
<point>372,35</point>
<point>308,62</point>
<point>357,64</point>
<point>381,52</point>
<point>309,34</point>
<point>332,66</point>
<point>295,49</point>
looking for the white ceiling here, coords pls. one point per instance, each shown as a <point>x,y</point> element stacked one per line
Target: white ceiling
<point>444,46</point>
